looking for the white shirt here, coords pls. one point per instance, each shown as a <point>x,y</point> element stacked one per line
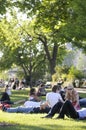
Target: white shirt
<point>32,104</point>
<point>8,91</point>
<point>82,113</point>
<point>52,98</point>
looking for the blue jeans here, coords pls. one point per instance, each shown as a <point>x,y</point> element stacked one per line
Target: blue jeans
<point>82,102</point>
<point>20,109</point>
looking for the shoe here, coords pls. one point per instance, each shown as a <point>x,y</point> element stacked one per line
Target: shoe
<point>47,116</point>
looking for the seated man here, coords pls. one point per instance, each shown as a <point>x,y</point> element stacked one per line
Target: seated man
<point>54,101</point>
<point>53,97</point>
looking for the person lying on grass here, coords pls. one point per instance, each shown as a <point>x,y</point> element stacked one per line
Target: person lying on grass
<point>33,107</point>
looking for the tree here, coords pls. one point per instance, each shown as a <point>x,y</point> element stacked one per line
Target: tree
<point>4,4</point>
<point>55,23</point>
<point>58,21</point>
<point>20,49</point>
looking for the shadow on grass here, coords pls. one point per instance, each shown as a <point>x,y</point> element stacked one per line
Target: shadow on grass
<point>41,127</point>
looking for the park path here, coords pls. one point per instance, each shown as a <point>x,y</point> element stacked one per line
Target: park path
<point>81,90</point>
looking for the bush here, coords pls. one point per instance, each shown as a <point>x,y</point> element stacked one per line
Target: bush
<point>74,73</point>
<point>67,73</point>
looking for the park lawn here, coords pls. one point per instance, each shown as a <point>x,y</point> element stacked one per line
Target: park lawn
<point>20,121</point>
<point>35,122</point>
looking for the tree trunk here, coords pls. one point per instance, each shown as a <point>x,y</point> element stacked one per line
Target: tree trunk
<point>51,59</point>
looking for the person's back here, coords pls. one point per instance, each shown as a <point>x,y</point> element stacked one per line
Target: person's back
<point>8,90</point>
<point>53,97</point>
<point>5,98</point>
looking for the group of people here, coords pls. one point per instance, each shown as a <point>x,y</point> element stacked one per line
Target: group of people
<point>71,107</point>
<point>15,83</point>
<point>62,101</point>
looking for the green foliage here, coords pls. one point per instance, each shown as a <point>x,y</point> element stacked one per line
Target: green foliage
<point>3,75</point>
<point>3,5</point>
<point>61,72</point>
<point>25,52</point>
<point>67,73</point>
<point>51,24</point>
<point>74,73</point>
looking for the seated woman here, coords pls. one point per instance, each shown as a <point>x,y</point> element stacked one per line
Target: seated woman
<point>5,98</point>
<point>73,96</point>
<point>33,95</point>
<point>69,110</point>
<point>41,90</point>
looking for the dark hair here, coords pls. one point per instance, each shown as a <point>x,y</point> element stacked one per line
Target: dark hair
<point>32,91</point>
<point>54,88</point>
<point>59,87</point>
<point>7,86</point>
<point>42,85</point>
<point>5,97</point>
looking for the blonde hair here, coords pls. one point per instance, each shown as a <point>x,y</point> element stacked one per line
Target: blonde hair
<point>71,96</point>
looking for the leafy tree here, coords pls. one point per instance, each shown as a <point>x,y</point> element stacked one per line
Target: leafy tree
<point>4,4</point>
<point>58,21</point>
<point>21,49</point>
<point>55,23</point>
<point>74,73</point>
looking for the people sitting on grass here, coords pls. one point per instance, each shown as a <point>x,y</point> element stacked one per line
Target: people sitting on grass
<point>51,99</point>
<point>5,98</point>
<point>53,104</point>
<point>67,109</point>
<point>72,95</point>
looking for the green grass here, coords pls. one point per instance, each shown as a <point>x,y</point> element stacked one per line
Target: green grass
<point>22,121</point>
<point>35,122</point>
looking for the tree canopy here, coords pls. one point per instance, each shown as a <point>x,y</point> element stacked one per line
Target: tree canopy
<point>42,37</point>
